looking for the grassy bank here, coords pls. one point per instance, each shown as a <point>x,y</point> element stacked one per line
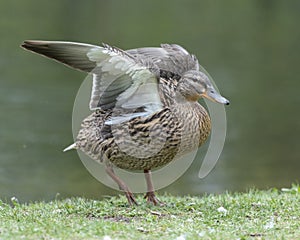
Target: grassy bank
<point>272,214</point>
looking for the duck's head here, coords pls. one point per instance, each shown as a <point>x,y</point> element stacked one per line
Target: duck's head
<point>195,84</point>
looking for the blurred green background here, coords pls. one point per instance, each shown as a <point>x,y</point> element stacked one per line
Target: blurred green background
<point>250,48</point>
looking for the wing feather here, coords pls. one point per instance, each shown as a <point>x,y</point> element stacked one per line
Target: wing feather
<point>120,80</point>
<point>169,57</point>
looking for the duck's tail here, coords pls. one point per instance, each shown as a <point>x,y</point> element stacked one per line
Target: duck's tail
<point>72,146</point>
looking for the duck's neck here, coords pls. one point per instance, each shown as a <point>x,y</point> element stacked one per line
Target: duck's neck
<point>195,119</point>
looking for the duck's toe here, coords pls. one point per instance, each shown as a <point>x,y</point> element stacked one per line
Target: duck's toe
<point>130,198</point>
<point>152,199</point>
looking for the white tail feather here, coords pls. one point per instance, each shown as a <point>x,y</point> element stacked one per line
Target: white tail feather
<point>72,146</point>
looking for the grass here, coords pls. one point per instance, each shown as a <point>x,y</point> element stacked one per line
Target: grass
<point>272,214</point>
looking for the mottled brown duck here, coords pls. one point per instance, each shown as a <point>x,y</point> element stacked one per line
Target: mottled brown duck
<point>144,102</point>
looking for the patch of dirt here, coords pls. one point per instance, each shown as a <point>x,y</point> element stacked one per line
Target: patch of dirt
<point>118,219</point>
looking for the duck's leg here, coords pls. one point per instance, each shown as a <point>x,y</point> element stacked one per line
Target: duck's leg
<point>129,195</point>
<point>150,195</point>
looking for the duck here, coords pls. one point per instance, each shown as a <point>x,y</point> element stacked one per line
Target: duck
<point>144,102</point>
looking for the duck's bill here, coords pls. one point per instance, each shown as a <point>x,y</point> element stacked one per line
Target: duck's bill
<point>215,97</point>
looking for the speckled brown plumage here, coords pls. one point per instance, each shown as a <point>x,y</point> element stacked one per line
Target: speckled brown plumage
<point>144,102</point>
<point>172,137</point>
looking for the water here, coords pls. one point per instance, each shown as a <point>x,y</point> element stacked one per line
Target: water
<point>250,48</point>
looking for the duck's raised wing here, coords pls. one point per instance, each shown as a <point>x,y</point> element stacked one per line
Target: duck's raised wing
<point>169,57</point>
<point>120,80</point>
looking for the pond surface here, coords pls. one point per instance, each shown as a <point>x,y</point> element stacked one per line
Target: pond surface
<point>250,48</point>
